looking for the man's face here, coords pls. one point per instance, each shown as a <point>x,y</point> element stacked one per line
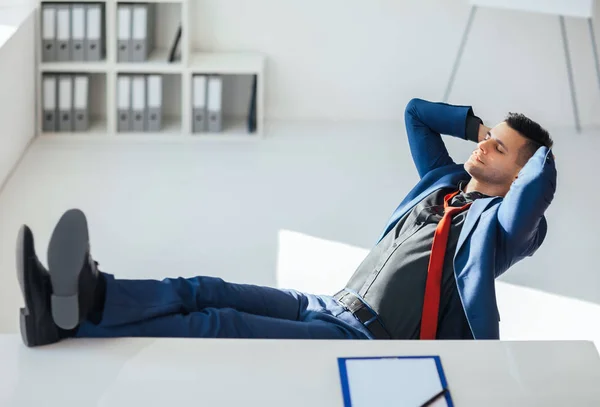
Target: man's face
<point>495,160</point>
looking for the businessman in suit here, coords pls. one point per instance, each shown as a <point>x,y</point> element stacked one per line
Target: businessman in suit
<point>430,275</point>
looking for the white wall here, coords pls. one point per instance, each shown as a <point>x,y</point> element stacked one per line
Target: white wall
<point>17,84</point>
<point>357,59</point>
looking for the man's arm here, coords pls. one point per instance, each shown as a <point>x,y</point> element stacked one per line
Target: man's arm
<point>521,213</point>
<point>427,121</point>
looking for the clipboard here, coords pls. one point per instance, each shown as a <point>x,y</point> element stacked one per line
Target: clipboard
<point>411,381</point>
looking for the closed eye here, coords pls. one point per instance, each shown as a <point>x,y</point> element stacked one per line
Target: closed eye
<point>498,141</point>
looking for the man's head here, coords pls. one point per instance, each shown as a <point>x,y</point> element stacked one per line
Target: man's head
<point>505,150</point>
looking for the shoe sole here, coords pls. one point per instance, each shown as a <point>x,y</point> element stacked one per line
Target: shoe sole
<point>26,320</point>
<point>67,253</point>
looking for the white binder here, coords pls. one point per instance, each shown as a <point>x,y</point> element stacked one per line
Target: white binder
<point>124,16</point>
<point>200,120</point>
<point>49,98</point>
<point>48,33</point>
<point>139,42</point>
<point>124,103</point>
<point>154,113</point>
<point>65,103</point>
<point>80,102</point>
<point>63,32</point>
<point>138,103</point>
<point>78,32</point>
<point>215,103</point>
<point>94,38</point>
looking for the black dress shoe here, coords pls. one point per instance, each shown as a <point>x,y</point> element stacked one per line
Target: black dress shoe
<point>72,270</point>
<point>36,323</point>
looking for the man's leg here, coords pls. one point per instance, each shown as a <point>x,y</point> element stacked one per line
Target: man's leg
<point>82,295</point>
<point>197,293</point>
<point>220,323</point>
<point>73,298</point>
<point>131,301</point>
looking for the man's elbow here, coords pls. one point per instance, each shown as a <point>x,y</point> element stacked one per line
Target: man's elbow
<point>412,105</point>
<point>411,111</point>
<point>533,243</point>
<point>539,237</point>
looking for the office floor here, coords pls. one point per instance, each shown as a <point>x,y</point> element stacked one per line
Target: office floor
<point>262,212</point>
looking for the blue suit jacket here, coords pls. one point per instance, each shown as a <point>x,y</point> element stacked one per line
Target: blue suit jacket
<point>498,231</point>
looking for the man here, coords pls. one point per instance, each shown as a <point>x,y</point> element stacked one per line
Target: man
<point>430,276</point>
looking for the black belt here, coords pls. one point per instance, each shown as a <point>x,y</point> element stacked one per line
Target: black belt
<point>363,313</point>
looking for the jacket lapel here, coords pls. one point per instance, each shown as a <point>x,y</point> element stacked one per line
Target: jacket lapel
<point>475,211</point>
<point>449,180</point>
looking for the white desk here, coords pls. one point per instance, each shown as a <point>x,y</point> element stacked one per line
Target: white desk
<point>203,372</point>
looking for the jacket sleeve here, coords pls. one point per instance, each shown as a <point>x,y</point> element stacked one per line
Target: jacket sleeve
<point>427,121</point>
<point>521,213</point>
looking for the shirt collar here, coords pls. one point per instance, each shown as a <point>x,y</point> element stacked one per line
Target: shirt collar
<point>466,197</point>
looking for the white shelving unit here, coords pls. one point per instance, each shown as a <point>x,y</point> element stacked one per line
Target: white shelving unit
<point>237,68</point>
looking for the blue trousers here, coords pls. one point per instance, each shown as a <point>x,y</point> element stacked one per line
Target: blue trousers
<point>208,307</point>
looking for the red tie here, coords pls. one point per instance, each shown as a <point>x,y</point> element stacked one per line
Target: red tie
<point>431,304</point>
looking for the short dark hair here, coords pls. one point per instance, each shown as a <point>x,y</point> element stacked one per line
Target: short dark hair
<point>534,133</point>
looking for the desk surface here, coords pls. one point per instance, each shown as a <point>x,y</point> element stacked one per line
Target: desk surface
<point>205,372</point>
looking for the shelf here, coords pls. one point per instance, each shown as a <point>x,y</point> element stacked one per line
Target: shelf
<point>237,69</point>
<point>200,62</point>
<point>234,130</point>
<point>226,62</point>
<point>140,138</point>
<point>157,63</point>
<point>99,67</point>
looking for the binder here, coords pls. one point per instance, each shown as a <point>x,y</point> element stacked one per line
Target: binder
<point>94,39</point>
<point>63,32</point>
<point>124,14</point>
<point>65,103</point>
<point>215,103</point>
<point>139,42</point>
<point>124,103</point>
<point>138,103</point>
<point>251,120</point>
<point>151,23</point>
<point>200,119</point>
<point>81,102</point>
<point>78,12</point>
<point>173,52</point>
<point>48,33</point>
<point>154,113</point>
<point>49,99</point>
